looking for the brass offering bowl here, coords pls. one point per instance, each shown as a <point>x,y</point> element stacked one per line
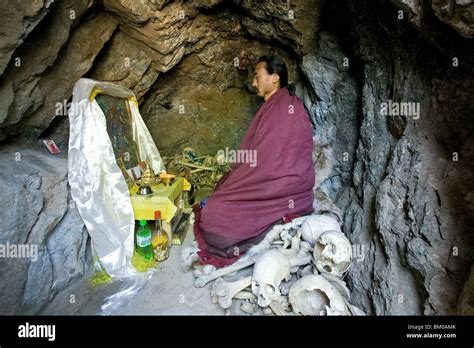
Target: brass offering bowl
<point>166,178</point>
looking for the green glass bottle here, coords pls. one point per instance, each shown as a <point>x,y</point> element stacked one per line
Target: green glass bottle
<point>144,241</point>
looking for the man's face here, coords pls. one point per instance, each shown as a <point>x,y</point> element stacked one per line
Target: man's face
<point>265,84</point>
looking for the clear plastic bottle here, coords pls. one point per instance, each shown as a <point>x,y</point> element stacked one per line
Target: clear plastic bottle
<point>159,240</point>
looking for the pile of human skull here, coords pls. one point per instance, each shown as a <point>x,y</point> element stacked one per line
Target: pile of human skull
<point>298,269</point>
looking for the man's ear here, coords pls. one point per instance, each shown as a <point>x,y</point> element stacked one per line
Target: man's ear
<point>275,78</point>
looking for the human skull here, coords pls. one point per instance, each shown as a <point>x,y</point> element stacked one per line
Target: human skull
<point>314,295</point>
<point>332,253</point>
<point>270,269</point>
<point>315,225</point>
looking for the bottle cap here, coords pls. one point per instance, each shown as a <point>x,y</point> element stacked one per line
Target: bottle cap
<point>142,222</point>
<point>157,215</point>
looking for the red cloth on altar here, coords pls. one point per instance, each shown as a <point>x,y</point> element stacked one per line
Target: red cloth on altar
<point>255,196</point>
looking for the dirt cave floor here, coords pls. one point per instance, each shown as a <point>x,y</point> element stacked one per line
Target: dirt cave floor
<point>169,291</point>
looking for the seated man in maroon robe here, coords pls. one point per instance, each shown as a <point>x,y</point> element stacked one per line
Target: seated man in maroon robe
<point>278,182</point>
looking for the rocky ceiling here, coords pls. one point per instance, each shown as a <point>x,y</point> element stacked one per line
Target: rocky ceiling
<point>403,184</point>
<point>187,62</point>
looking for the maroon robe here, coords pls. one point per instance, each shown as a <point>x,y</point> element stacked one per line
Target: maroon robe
<point>253,197</point>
